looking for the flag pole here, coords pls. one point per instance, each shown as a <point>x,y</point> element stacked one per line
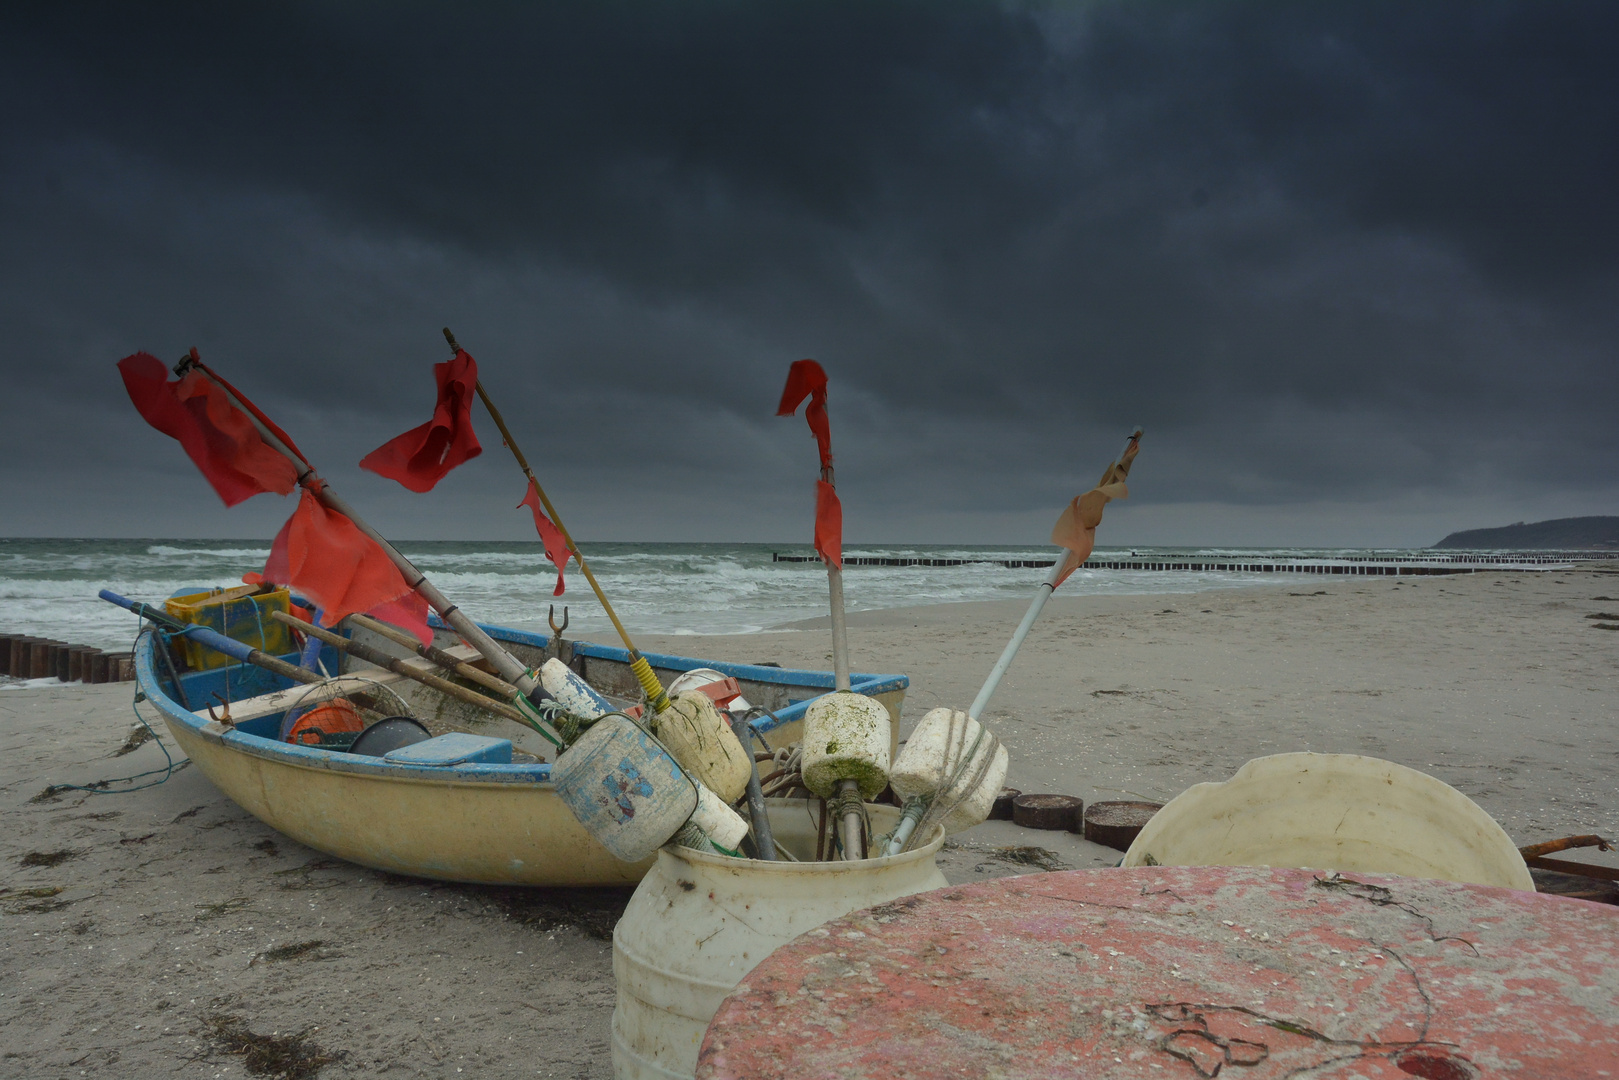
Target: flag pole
<point>1042,594</point>
<point>508,666</point>
<point>840,628</point>
<point>657,697</point>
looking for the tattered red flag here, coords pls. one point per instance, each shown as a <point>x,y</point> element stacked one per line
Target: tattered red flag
<point>555,543</point>
<point>323,555</point>
<point>1076,528</point>
<point>828,524</point>
<point>806,379</point>
<point>422,456</point>
<point>218,437</point>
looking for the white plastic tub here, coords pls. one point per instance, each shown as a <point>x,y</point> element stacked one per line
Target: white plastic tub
<point>1333,812</point>
<point>698,923</point>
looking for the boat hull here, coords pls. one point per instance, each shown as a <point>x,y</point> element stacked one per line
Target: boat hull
<point>495,824</point>
<point>485,833</point>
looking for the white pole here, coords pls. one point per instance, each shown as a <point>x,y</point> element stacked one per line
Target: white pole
<point>1047,587</point>
<point>840,630</point>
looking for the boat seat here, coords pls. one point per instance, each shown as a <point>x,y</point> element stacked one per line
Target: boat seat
<point>455,748</point>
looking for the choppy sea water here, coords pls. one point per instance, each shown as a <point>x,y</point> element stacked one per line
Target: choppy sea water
<point>48,587</point>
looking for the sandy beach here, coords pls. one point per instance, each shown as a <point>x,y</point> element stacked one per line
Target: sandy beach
<point>156,932</point>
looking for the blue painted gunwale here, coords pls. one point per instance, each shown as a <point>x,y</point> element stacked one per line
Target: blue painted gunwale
<point>259,681</point>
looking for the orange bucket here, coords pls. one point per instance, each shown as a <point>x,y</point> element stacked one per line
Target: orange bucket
<point>335,717</point>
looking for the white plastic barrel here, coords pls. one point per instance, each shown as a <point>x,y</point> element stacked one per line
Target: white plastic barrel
<point>936,750</point>
<point>704,744</point>
<point>845,738</point>
<point>624,788</point>
<point>698,923</point>
<point>1341,812</point>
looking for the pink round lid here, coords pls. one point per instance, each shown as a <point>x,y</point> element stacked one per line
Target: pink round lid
<point>1186,972</point>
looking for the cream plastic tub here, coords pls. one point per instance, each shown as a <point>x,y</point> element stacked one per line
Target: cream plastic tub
<point>698,923</point>
<point>1333,812</point>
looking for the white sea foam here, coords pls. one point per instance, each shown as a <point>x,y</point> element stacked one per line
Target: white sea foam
<point>48,587</point>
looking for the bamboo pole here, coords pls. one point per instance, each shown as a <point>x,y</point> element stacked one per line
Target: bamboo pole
<point>437,656</point>
<point>657,697</point>
<point>511,668</point>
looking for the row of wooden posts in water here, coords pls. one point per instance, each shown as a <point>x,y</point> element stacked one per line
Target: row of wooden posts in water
<point>1393,567</point>
<point>26,657</point>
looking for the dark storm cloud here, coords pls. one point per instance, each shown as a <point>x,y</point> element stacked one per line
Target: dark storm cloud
<point>1327,255</point>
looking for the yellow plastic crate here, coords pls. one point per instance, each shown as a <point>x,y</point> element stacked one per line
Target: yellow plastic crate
<point>242,614</point>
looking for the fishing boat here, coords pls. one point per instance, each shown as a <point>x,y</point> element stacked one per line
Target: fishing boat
<point>491,817</point>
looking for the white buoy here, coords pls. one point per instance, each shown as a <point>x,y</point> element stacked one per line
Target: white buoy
<point>576,696</point>
<point>698,737</point>
<point>846,741</point>
<point>952,765</point>
<point>719,824</point>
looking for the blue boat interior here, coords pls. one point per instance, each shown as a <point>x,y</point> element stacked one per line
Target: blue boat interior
<point>214,687</point>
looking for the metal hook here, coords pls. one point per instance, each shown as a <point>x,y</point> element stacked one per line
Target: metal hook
<point>556,631</point>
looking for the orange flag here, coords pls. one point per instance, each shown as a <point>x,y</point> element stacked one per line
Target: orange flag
<point>323,555</point>
<point>1076,528</point>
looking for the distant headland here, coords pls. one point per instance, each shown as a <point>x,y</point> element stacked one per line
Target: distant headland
<point>1559,534</point>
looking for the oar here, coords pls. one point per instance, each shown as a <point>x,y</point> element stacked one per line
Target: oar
<point>400,667</point>
<point>1041,595</point>
<point>656,696</point>
<point>212,639</point>
<point>510,668</point>
<point>438,656</point>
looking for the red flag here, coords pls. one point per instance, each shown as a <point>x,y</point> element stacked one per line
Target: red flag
<point>422,456</point>
<point>1076,528</point>
<point>220,440</point>
<point>323,555</point>
<point>805,379</point>
<point>828,524</point>
<point>550,535</point>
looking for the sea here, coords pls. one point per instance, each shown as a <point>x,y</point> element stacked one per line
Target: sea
<point>48,588</point>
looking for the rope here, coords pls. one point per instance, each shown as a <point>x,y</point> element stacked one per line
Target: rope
<point>100,786</point>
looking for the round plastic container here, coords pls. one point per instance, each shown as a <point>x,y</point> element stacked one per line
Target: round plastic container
<point>698,923</point>
<point>624,788</point>
<point>1340,812</point>
<point>572,692</point>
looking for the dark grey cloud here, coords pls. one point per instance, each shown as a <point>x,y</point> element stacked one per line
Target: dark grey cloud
<point>1352,266</point>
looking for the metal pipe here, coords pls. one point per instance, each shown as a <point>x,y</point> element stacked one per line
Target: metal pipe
<point>763,839</point>
<point>840,629</point>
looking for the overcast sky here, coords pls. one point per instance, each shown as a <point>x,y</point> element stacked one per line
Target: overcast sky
<point>1351,266</point>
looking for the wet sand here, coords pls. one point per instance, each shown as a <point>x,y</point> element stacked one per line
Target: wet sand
<point>152,933</point>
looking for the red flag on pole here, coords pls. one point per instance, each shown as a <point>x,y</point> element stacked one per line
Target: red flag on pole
<point>323,555</point>
<point>422,456</point>
<point>1076,528</point>
<point>218,438</point>
<point>550,535</point>
<point>828,524</point>
<point>806,379</point>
